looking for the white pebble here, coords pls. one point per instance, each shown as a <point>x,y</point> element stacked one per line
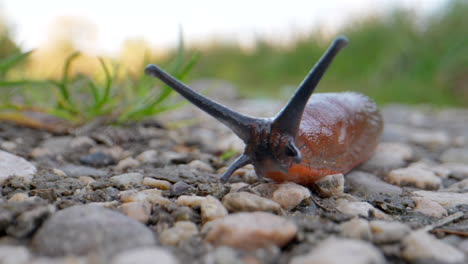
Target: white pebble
<point>12,165</point>
<point>155,183</point>
<point>419,246</point>
<point>429,207</point>
<point>388,231</point>
<point>446,199</point>
<point>415,177</point>
<point>211,209</point>
<point>181,231</point>
<point>330,185</point>
<point>356,228</point>
<point>127,163</point>
<point>364,209</point>
<point>145,256</point>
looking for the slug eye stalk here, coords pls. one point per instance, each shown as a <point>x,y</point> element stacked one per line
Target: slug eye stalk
<point>258,132</point>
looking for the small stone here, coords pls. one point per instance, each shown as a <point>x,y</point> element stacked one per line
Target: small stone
<point>438,170</point>
<point>200,165</point>
<point>145,255</point>
<point>82,142</point>
<point>127,163</point>
<point>87,229</point>
<point>429,207</point>
<point>211,209</point>
<point>356,228</point>
<point>457,170</point>
<point>364,209</point>
<point>12,165</point>
<point>191,201</point>
<point>455,155</point>
<point>330,185</point>
<point>388,232</point>
<point>59,172</point>
<point>28,221</point>
<point>248,202</point>
<point>154,183</point>
<point>235,187</point>
<point>251,230</point>
<point>153,196</point>
<point>14,254</point>
<point>388,156</point>
<point>289,195</point>
<point>415,177</point>
<point>86,180</point>
<point>446,199</point>
<point>148,157</point>
<point>52,146</point>
<point>181,231</point>
<point>8,145</point>
<point>420,246</point>
<point>363,183</point>
<point>180,188</point>
<point>246,174</point>
<point>338,251</point>
<point>430,139</point>
<point>97,159</point>
<point>139,211</point>
<point>461,187</point>
<point>19,197</point>
<point>127,179</point>
<point>77,171</point>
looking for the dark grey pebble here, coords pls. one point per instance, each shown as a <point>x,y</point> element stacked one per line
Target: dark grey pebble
<point>90,229</point>
<point>97,159</point>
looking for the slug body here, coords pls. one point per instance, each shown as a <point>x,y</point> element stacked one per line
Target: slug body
<point>338,131</point>
<point>309,138</point>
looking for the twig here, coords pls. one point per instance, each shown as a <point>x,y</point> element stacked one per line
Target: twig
<point>444,221</point>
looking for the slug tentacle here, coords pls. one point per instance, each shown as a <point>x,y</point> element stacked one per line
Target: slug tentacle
<point>239,123</point>
<point>289,118</point>
<point>237,164</point>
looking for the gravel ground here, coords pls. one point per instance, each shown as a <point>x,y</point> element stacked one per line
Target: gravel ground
<point>147,194</point>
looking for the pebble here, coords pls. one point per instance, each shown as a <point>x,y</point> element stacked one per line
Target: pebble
<point>430,139</point>
<point>145,255</point>
<point>148,157</point>
<point>290,195</point>
<point>82,142</point>
<point>52,146</point>
<point>388,156</point>
<point>19,197</point>
<point>455,155</point>
<point>77,171</point>
<point>12,165</point>
<point>250,230</point>
<point>8,145</point>
<point>429,207</point>
<point>14,254</point>
<point>356,228</point>
<point>28,221</point>
<point>181,231</point>
<point>127,179</point>
<point>86,180</point>
<point>127,163</point>
<point>235,187</point>
<point>461,187</point>
<point>457,170</point>
<point>330,185</point>
<point>446,199</point>
<point>388,231</point>
<point>191,201</point>
<point>440,171</point>
<point>139,211</point>
<point>415,177</point>
<point>211,209</point>
<point>180,188</point>
<point>85,229</point>
<point>419,246</point>
<point>364,183</point>
<point>154,183</point>
<point>364,209</point>
<point>248,202</point>
<point>200,165</point>
<point>338,251</point>
<point>97,159</point>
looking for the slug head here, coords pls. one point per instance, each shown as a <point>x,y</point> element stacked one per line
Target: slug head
<point>270,143</point>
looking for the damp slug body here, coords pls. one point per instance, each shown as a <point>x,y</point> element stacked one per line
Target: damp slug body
<point>309,138</point>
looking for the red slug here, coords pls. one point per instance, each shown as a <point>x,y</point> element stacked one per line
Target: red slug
<point>308,139</point>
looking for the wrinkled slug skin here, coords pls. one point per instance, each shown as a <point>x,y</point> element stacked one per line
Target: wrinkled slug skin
<point>338,131</point>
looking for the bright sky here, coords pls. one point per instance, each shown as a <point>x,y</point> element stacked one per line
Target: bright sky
<point>157,21</point>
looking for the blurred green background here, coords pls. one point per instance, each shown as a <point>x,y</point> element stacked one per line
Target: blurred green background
<point>392,58</point>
